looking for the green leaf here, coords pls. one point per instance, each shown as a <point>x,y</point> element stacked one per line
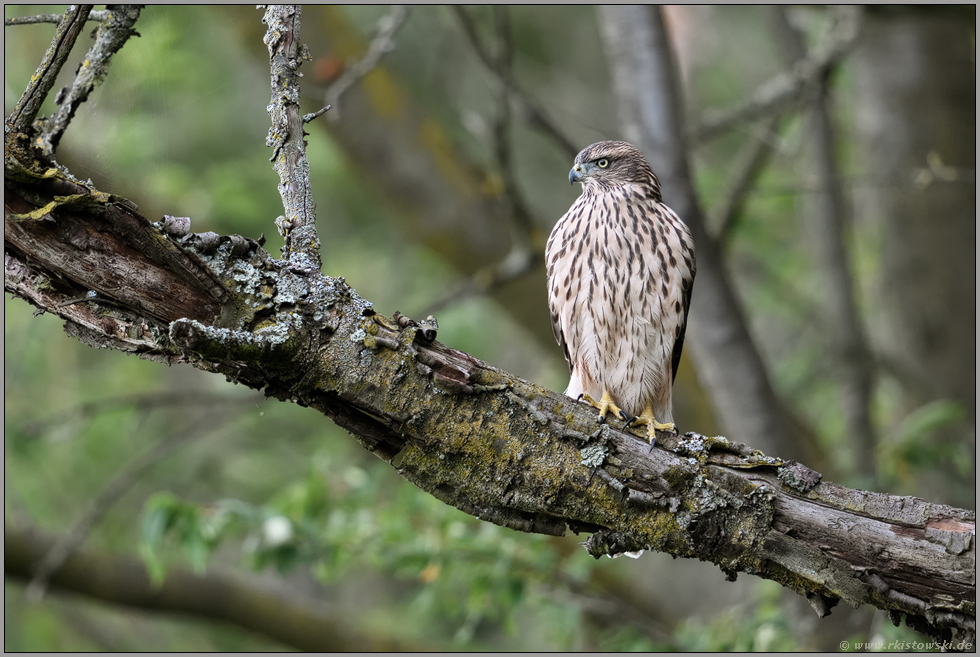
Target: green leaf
<point>920,424</point>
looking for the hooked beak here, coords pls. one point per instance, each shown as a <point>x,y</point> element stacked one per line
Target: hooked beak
<point>575,175</point>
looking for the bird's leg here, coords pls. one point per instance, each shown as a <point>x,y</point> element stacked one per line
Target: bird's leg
<point>647,419</point>
<point>605,405</point>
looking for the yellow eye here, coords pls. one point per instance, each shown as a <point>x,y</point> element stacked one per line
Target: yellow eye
<point>603,163</point>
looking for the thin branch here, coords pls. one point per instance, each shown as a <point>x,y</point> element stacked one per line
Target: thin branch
<point>96,15</point>
<point>531,113</point>
<point>55,557</point>
<point>143,401</point>
<point>382,43</point>
<point>748,164</point>
<point>112,33</point>
<point>69,27</point>
<point>298,224</point>
<point>525,238</point>
<point>773,94</point>
<point>502,130</point>
<point>243,601</point>
<point>520,260</point>
<point>862,181</point>
<point>313,116</point>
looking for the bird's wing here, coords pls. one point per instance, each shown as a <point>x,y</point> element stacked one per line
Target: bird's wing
<point>556,300</point>
<point>688,287</point>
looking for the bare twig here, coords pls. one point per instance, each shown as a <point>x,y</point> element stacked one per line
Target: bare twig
<point>68,542</point>
<point>515,264</point>
<point>381,45</point>
<point>525,236</point>
<point>502,128</point>
<point>113,32</point>
<point>298,224</point>
<point>903,180</point>
<point>97,15</point>
<point>748,164</point>
<point>141,401</point>
<point>70,26</point>
<point>771,95</point>
<point>535,117</point>
<point>317,114</point>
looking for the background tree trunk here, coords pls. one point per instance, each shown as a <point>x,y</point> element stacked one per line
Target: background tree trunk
<point>915,75</point>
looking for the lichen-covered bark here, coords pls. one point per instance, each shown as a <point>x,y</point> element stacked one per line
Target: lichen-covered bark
<point>46,75</point>
<point>111,34</point>
<point>286,136</point>
<point>487,442</point>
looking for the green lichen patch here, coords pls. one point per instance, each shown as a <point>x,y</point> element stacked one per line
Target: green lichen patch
<point>593,455</point>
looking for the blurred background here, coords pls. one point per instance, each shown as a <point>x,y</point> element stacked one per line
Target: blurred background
<point>845,225</point>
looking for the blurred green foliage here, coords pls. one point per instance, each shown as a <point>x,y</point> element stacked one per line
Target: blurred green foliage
<point>180,127</point>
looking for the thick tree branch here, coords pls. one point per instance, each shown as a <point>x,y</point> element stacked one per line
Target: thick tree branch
<point>124,261</point>
<point>303,623</point>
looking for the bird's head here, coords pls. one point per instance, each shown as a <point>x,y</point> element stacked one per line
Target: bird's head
<point>608,164</point>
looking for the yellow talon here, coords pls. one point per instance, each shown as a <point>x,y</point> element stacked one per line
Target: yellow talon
<point>647,419</point>
<point>605,405</point>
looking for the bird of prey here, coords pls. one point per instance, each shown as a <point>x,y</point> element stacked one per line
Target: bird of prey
<point>620,273</point>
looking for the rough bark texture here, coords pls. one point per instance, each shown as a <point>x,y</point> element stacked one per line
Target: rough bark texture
<point>298,225</point>
<point>47,72</point>
<point>489,443</point>
<point>115,28</point>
